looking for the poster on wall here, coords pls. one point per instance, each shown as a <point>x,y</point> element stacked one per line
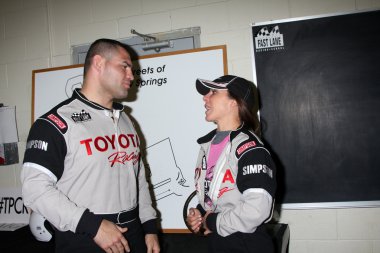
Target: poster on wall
<point>8,136</point>
<point>168,113</point>
<point>13,213</point>
<point>319,84</point>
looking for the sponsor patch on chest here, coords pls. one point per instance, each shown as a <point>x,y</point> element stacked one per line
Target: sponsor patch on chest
<point>57,121</point>
<point>245,146</point>
<point>80,116</point>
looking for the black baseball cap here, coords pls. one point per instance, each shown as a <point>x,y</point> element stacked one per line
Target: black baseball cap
<point>237,86</point>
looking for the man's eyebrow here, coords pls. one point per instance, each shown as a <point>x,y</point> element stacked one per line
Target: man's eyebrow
<point>127,63</point>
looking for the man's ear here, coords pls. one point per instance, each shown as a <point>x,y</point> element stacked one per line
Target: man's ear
<point>98,62</point>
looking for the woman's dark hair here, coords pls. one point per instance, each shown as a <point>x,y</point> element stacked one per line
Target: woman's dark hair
<point>103,47</point>
<point>247,115</point>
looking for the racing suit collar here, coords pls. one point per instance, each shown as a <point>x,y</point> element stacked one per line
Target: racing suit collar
<point>78,95</point>
<point>208,137</point>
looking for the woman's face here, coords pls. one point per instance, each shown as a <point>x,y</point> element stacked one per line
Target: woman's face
<point>219,106</point>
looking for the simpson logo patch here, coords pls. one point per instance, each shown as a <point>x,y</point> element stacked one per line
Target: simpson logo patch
<point>57,121</point>
<point>257,169</point>
<point>245,147</point>
<point>37,144</point>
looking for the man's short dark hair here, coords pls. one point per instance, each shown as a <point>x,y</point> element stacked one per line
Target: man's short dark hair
<point>101,47</point>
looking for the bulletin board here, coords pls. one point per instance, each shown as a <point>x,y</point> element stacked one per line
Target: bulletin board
<point>319,84</point>
<point>169,115</point>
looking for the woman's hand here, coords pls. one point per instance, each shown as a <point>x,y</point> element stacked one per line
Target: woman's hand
<point>194,220</point>
<point>204,224</point>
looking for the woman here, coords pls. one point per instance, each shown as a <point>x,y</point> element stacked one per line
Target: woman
<point>235,174</point>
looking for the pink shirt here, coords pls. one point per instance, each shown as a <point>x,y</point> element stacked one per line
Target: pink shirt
<point>213,156</point>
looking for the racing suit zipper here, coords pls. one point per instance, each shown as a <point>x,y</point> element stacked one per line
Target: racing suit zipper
<point>115,119</point>
<point>218,176</point>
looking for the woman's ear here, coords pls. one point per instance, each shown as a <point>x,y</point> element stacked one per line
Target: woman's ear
<point>234,103</point>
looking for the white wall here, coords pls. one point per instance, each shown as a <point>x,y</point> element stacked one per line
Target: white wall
<point>37,34</point>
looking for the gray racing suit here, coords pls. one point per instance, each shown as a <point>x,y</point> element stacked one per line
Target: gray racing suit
<point>243,185</point>
<point>82,161</point>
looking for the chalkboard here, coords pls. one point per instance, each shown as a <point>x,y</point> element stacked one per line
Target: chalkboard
<point>319,85</point>
<point>168,113</point>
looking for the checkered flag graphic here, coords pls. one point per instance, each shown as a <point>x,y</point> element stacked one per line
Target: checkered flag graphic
<point>263,32</point>
<point>275,30</point>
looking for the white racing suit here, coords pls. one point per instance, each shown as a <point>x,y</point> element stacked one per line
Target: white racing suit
<point>242,191</point>
<point>81,161</point>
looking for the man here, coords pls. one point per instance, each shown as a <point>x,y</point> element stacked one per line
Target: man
<point>82,168</point>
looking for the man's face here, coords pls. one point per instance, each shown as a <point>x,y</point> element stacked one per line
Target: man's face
<point>117,76</point>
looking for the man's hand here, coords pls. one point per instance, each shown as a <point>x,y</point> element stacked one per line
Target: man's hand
<point>194,220</point>
<point>152,244</point>
<point>110,238</point>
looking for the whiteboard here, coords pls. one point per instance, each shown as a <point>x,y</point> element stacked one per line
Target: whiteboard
<point>169,115</point>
